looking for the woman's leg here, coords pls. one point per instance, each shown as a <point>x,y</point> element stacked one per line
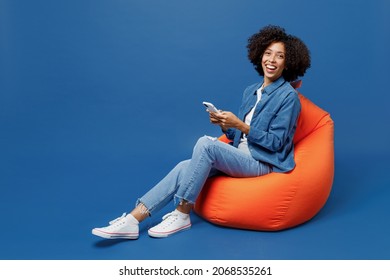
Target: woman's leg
<point>184,182</point>
<point>210,154</point>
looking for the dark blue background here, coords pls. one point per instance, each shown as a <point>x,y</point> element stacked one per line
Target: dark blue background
<point>101,98</point>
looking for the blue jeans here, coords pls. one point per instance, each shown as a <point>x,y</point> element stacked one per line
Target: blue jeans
<point>210,157</point>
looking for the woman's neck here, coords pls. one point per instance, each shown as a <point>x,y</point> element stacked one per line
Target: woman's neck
<point>268,81</point>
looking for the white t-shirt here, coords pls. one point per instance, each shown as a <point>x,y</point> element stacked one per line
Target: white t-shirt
<point>243,145</point>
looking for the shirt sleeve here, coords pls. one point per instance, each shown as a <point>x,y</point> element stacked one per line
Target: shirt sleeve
<point>281,127</point>
<point>230,133</point>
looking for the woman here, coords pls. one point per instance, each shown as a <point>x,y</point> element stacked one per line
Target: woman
<point>262,138</point>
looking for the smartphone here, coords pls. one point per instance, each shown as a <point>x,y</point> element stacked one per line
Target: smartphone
<point>210,107</point>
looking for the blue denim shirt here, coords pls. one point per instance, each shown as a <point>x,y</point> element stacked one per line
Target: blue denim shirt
<point>273,125</point>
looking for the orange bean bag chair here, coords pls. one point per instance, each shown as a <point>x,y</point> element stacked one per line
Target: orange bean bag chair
<point>278,201</point>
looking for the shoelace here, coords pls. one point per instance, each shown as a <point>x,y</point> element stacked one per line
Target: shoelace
<point>168,215</point>
<point>166,219</point>
<point>117,219</point>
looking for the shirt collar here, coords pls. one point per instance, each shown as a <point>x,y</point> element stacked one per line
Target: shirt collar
<point>272,87</point>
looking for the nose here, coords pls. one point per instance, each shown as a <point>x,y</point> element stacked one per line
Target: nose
<point>272,58</point>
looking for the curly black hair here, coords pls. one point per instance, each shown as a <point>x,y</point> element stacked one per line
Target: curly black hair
<point>297,54</point>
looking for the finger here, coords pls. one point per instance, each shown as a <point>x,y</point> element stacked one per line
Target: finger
<point>215,116</point>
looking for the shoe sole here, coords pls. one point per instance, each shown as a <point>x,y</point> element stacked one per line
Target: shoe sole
<point>168,233</point>
<point>108,235</point>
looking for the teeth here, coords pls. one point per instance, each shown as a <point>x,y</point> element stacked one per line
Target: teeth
<point>271,67</point>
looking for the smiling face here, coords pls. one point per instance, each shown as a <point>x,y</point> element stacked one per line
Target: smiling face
<point>273,62</point>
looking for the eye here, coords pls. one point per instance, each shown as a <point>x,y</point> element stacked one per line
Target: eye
<point>281,56</point>
<point>267,53</point>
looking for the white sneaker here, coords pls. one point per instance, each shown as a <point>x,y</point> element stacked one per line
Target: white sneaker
<point>172,223</point>
<point>125,227</point>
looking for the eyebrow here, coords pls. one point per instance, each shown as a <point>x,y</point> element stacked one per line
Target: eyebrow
<point>276,52</point>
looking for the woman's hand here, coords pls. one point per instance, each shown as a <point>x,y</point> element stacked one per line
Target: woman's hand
<point>228,120</point>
